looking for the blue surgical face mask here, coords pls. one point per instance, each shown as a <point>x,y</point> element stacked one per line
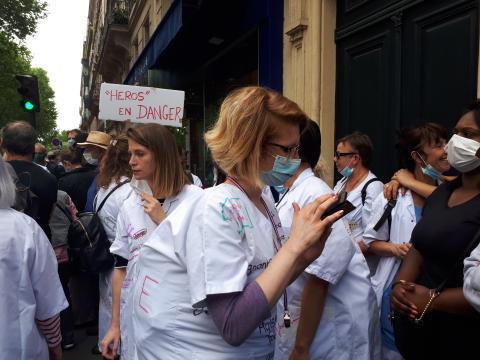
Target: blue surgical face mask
<point>283,169</point>
<point>347,170</point>
<point>71,143</point>
<point>280,189</point>
<point>429,170</point>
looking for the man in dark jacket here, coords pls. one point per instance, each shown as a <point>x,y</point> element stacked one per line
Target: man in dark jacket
<point>77,178</point>
<point>18,142</point>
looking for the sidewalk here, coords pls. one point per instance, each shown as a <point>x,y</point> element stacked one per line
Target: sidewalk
<point>82,350</point>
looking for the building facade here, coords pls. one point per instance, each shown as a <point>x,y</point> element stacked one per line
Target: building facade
<point>367,65</point>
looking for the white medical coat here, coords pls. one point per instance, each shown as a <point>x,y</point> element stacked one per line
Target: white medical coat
<point>214,243</point>
<point>357,220</point>
<point>471,280</point>
<point>349,325</point>
<point>29,286</point>
<point>402,224</point>
<point>108,215</point>
<point>134,227</point>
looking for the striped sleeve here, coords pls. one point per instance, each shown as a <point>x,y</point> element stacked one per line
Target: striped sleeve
<point>50,328</point>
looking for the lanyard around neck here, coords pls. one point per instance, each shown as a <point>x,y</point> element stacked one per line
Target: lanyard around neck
<point>286,315</point>
<point>277,244</point>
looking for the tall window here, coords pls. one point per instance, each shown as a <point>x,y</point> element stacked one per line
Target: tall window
<point>134,49</point>
<point>146,30</point>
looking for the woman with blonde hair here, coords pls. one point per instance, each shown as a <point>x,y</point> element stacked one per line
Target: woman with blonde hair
<point>159,185</point>
<point>211,274</point>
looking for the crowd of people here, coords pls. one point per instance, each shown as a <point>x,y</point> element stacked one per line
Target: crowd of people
<point>269,263</point>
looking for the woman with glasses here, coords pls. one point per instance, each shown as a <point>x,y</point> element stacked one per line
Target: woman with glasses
<point>211,274</point>
<point>353,159</point>
<point>336,314</point>
<point>433,319</point>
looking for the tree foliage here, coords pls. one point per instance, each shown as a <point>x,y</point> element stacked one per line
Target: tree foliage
<point>15,59</point>
<point>19,18</point>
<point>46,118</point>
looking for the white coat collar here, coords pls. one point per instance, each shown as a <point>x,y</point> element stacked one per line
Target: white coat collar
<point>305,174</point>
<point>141,186</point>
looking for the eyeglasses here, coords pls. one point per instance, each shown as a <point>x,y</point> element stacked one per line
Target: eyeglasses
<point>338,154</point>
<point>289,150</point>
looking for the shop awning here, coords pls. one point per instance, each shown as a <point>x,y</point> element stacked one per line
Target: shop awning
<point>194,32</point>
<point>164,34</point>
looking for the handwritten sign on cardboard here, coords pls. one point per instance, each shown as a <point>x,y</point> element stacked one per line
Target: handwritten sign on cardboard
<point>141,104</point>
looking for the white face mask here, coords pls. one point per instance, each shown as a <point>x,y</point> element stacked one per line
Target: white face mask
<point>461,153</point>
<point>89,158</point>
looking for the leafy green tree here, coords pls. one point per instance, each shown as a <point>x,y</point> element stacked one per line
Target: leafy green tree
<point>19,18</point>
<point>46,118</point>
<point>15,59</point>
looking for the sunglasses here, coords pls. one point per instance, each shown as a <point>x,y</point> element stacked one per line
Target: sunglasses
<point>338,154</point>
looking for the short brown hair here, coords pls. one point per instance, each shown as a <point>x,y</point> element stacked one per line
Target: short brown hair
<point>114,164</point>
<point>245,124</point>
<point>362,144</point>
<point>169,176</point>
<point>72,156</point>
<point>415,138</point>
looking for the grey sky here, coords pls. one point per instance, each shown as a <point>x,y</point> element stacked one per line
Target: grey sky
<point>57,47</point>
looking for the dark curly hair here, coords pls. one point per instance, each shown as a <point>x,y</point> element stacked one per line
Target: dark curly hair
<point>474,108</point>
<point>114,164</point>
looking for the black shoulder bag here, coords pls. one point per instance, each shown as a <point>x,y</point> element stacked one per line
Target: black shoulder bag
<point>89,248</point>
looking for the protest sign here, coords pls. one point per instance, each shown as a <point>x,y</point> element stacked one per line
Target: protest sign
<point>141,104</point>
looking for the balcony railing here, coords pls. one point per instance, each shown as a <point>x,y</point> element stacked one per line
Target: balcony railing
<point>119,11</point>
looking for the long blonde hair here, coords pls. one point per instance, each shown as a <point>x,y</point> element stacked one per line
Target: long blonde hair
<point>245,124</point>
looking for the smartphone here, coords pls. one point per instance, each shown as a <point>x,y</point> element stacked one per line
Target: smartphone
<point>344,205</point>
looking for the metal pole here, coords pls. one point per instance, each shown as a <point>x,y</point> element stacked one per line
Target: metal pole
<point>33,120</point>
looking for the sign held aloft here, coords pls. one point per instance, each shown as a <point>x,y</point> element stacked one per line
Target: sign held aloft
<point>141,104</point>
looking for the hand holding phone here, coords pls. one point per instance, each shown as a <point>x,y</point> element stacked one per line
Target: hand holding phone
<point>341,204</point>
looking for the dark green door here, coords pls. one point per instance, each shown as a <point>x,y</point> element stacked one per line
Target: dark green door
<point>400,63</point>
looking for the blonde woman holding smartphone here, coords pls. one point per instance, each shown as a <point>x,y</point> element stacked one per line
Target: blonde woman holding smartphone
<point>211,274</point>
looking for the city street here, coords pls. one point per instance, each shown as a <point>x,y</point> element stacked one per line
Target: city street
<point>82,350</point>
<point>237,179</point>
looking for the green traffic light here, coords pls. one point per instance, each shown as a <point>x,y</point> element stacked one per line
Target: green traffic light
<point>28,105</point>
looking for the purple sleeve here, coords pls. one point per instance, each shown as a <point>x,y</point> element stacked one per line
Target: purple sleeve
<point>236,315</point>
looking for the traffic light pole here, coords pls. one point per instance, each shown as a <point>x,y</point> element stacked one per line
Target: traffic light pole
<point>33,119</point>
<point>30,96</point>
